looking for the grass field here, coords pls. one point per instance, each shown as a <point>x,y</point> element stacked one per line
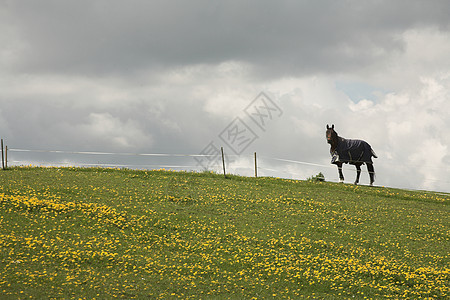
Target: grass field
<point>104,233</point>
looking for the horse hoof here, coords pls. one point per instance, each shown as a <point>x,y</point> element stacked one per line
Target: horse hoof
<point>356,183</point>
<point>341,181</point>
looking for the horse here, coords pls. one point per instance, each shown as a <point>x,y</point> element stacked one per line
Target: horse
<point>354,152</point>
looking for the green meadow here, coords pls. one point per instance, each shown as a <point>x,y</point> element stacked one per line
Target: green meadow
<point>105,233</point>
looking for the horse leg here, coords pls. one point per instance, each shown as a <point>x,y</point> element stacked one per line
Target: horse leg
<point>341,175</point>
<point>371,171</point>
<point>358,172</point>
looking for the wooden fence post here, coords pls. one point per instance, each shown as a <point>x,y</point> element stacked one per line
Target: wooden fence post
<point>3,156</point>
<point>256,167</point>
<point>6,157</point>
<point>223,162</point>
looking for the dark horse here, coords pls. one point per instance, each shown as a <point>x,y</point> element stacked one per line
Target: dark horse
<point>354,152</point>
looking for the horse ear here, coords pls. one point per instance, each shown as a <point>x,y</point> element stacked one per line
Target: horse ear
<point>328,127</point>
<point>332,126</point>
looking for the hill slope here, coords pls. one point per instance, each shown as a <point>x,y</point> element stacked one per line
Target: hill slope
<point>102,233</point>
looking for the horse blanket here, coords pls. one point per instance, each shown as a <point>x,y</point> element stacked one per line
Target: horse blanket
<point>352,151</point>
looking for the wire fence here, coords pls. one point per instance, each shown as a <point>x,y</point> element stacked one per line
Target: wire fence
<point>97,159</point>
<point>90,159</point>
<point>246,165</point>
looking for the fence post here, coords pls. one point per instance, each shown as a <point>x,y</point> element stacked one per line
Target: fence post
<point>223,163</point>
<point>256,167</point>
<point>3,156</point>
<point>6,157</point>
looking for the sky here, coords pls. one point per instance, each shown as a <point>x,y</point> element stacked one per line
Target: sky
<point>189,77</point>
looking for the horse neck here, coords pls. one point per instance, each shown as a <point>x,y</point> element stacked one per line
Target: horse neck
<point>334,144</point>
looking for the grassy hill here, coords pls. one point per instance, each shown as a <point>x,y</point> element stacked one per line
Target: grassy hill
<point>104,233</point>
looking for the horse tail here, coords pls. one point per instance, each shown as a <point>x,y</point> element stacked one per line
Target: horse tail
<point>374,154</point>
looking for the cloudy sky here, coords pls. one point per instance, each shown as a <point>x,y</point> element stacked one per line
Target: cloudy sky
<point>180,77</point>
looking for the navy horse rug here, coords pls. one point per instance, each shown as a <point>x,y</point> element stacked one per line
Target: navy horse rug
<point>352,151</point>
<point>355,152</point>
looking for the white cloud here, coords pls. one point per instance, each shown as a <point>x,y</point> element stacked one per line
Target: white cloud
<point>112,130</point>
<point>405,129</point>
<point>408,132</point>
<point>361,106</point>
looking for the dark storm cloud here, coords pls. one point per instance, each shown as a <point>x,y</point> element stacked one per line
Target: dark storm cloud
<point>276,37</point>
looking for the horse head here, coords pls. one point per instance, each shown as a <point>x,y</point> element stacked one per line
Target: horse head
<point>331,135</point>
